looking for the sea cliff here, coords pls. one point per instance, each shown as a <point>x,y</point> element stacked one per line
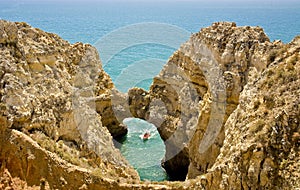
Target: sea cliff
<point>226,105</point>
<point>56,126</point>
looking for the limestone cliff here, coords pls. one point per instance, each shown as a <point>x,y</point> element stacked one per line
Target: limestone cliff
<point>226,104</point>
<point>261,145</point>
<point>199,88</point>
<point>55,111</point>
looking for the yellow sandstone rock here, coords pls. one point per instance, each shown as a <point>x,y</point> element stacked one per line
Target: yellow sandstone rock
<point>226,104</point>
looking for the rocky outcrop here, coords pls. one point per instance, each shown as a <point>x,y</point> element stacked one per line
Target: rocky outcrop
<point>227,107</point>
<point>239,50</point>
<point>199,88</point>
<point>138,101</point>
<point>261,145</point>
<point>55,111</point>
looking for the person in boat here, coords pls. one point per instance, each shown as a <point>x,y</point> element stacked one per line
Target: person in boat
<point>146,135</point>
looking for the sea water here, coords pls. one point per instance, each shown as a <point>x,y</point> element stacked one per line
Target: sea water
<point>144,155</point>
<point>90,21</point>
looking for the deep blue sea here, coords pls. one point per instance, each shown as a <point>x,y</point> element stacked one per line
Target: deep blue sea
<point>140,58</point>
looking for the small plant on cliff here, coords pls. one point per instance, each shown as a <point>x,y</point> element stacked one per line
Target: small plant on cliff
<point>291,62</point>
<point>272,56</point>
<point>256,126</point>
<point>269,101</point>
<point>276,53</point>
<point>59,148</point>
<point>98,172</point>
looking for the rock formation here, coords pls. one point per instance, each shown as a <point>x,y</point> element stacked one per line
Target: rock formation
<point>261,145</point>
<point>226,104</point>
<point>222,117</point>
<point>55,114</point>
<point>199,88</point>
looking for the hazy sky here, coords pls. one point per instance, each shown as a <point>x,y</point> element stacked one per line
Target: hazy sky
<point>204,1</point>
<point>210,3</point>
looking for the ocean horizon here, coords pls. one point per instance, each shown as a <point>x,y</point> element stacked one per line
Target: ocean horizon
<point>88,21</point>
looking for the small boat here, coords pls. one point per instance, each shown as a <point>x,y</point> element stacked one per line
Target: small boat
<point>146,136</point>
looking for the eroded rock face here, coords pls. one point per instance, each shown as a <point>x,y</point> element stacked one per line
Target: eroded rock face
<point>55,102</point>
<point>233,52</point>
<point>229,100</point>
<point>138,101</point>
<point>199,88</point>
<point>261,145</point>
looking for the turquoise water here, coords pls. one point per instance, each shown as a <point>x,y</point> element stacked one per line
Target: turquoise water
<point>89,22</point>
<point>144,155</point>
<point>126,65</point>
